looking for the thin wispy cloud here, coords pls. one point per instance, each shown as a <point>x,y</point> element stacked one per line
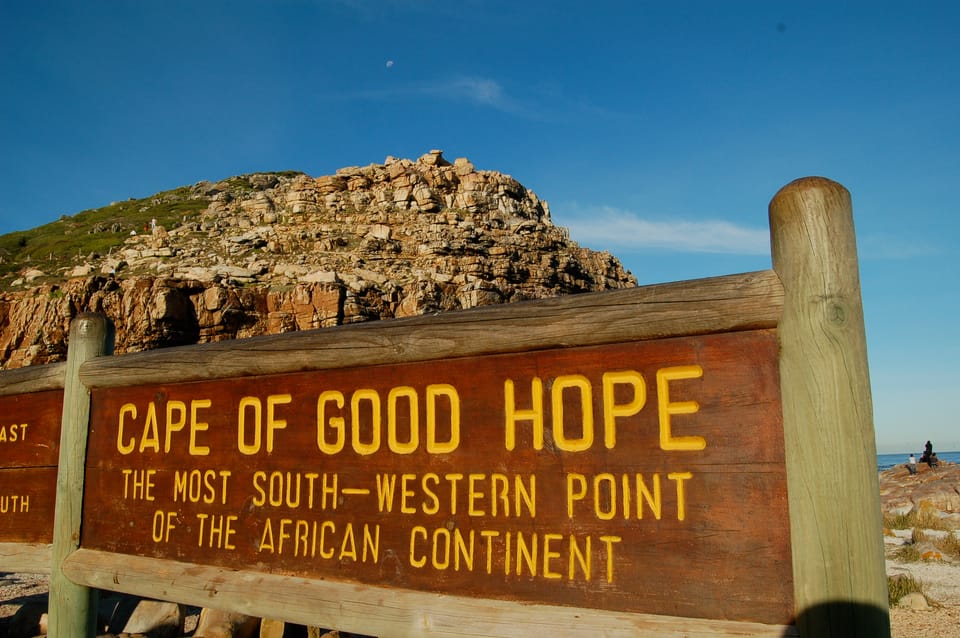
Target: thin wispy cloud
<point>480,91</point>
<point>621,229</point>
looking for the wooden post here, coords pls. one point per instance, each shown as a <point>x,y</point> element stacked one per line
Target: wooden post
<point>833,487</point>
<point>73,608</point>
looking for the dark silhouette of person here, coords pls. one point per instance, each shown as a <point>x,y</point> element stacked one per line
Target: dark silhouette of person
<point>928,456</point>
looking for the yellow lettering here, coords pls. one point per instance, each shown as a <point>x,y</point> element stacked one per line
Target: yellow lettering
<point>575,493</point>
<point>527,554</point>
<point>474,495</point>
<point>608,542</point>
<point>612,410</point>
<point>371,544</point>
<point>284,534</point>
<point>525,496</point>
<point>13,432</point>
<point>489,535</point>
<point>550,555</point>
<point>667,408</point>
<point>414,533</point>
<point>126,448</point>
<point>258,478</point>
<point>604,484</point>
<point>680,477</point>
<point>386,486</point>
<point>577,557</point>
<point>413,411</point>
<point>174,425</point>
<point>643,494</point>
<point>435,446</point>
<point>434,505</point>
<point>266,538</point>
<point>273,423</point>
<point>242,444</point>
<point>405,493</point>
<point>512,415</point>
<point>198,426</point>
<point>348,547</point>
<point>162,526</point>
<point>498,494</point>
<point>324,526</point>
<point>441,541</point>
<point>462,549</point>
<point>138,484</point>
<point>371,397</point>
<point>151,436</point>
<point>336,423</point>
<point>581,383</point>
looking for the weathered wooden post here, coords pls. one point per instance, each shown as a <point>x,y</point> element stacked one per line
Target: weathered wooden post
<point>834,496</point>
<point>73,608</point>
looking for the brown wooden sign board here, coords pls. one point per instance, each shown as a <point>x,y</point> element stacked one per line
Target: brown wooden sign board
<point>29,448</point>
<point>639,477</point>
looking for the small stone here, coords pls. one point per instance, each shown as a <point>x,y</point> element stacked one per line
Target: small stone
<point>157,618</point>
<point>915,600</point>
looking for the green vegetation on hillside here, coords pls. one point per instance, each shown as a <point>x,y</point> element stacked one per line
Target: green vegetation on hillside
<point>67,241</point>
<point>59,244</point>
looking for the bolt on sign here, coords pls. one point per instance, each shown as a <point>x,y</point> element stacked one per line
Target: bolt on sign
<point>29,447</point>
<point>638,477</point>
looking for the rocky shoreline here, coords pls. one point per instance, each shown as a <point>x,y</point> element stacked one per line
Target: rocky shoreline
<point>931,498</point>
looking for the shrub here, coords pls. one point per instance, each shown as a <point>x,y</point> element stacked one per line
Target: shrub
<point>949,544</point>
<point>907,554</point>
<point>900,585</point>
<point>925,518</point>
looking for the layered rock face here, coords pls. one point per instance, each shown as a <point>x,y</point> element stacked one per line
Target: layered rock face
<point>279,252</point>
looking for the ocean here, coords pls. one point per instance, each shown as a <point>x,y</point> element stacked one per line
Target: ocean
<point>886,461</point>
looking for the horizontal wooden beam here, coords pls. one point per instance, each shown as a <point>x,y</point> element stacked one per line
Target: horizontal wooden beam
<point>32,379</point>
<point>719,304</point>
<point>25,558</point>
<point>378,610</point>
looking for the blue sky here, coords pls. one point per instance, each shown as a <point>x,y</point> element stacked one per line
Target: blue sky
<point>658,131</point>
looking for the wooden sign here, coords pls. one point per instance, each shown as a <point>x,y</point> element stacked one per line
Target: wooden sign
<point>638,477</point>
<point>29,447</point>
<point>632,462</point>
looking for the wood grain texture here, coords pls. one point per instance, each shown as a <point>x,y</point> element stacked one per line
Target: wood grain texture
<point>25,558</point>
<point>73,609</point>
<point>720,304</point>
<point>838,552</point>
<point>32,379</point>
<point>27,497</point>
<point>393,613</point>
<point>30,429</point>
<point>694,554</point>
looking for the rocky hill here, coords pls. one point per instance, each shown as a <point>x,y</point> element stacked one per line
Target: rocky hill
<point>275,252</point>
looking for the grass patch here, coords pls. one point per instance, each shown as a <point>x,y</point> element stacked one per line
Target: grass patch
<point>949,545</point>
<point>907,554</point>
<point>923,519</point>
<point>901,585</point>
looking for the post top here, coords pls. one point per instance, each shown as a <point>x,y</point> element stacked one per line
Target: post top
<point>803,185</point>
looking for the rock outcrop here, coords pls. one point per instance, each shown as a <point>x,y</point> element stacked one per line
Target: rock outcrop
<point>273,253</point>
<point>936,489</point>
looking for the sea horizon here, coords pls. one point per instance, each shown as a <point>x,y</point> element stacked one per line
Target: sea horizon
<point>886,461</point>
